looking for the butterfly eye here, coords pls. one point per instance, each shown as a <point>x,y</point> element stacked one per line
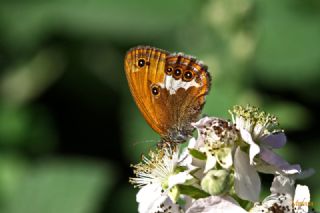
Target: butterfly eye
<point>141,62</point>
<point>155,90</point>
<point>169,70</point>
<point>188,75</point>
<point>177,73</point>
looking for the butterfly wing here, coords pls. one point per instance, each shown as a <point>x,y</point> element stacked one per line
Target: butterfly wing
<point>169,90</point>
<point>144,66</point>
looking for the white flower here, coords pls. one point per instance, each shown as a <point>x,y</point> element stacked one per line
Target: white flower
<point>259,130</point>
<point>219,204</point>
<point>284,198</point>
<point>216,138</point>
<point>157,175</point>
<point>152,198</point>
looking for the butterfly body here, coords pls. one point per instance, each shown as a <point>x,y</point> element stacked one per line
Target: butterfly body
<point>169,90</point>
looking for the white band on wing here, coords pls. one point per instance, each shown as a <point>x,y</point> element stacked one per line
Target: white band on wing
<point>173,85</point>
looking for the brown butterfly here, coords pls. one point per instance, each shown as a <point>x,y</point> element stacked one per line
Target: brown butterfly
<point>169,90</point>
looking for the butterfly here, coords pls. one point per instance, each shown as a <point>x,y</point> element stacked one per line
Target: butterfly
<point>169,89</point>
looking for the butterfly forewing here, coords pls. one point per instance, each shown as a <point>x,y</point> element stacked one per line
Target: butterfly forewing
<point>141,77</point>
<point>169,90</point>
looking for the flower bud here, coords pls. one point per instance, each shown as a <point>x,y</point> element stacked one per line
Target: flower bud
<point>216,182</point>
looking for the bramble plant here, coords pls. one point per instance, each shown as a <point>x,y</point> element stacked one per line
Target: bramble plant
<point>218,170</point>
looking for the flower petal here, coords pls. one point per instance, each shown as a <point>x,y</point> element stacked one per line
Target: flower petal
<point>273,159</point>
<point>210,163</point>
<point>282,185</point>
<point>186,160</point>
<point>192,143</point>
<point>215,204</point>
<point>304,174</point>
<point>224,157</point>
<point>254,148</point>
<point>274,202</point>
<point>147,190</point>
<point>301,198</point>
<point>179,178</point>
<point>247,181</point>
<point>200,164</point>
<point>199,125</point>
<point>149,198</point>
<point>202,122</point>
<point>274,141</point>
<point>290,169</point>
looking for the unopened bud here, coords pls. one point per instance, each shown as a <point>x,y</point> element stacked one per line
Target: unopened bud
<point>216,182</point>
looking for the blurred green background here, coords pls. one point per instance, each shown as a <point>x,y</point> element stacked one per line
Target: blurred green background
<point>69,128</point>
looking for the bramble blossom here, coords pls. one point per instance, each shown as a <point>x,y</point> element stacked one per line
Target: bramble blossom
<point>218,170</point>
<point>285,197</point>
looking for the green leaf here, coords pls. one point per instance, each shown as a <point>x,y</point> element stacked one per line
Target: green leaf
<point>197,154</point>
<point>192,191</point>
<point>180,169</point>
